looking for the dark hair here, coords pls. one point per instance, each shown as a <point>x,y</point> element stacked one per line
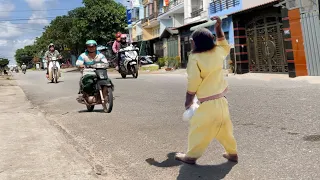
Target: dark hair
<point>203,40</point>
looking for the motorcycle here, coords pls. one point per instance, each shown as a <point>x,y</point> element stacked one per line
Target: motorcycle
<point>24,71</point>
<point>99,90</point>
<point>129,65</point>
<point>54,70</point>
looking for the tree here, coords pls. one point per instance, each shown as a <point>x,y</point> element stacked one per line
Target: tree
<point>98,20</point>
<point>25,55</point>
<point>3,63</point>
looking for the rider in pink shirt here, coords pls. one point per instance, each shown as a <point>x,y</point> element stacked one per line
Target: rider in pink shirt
<point>116,48</point>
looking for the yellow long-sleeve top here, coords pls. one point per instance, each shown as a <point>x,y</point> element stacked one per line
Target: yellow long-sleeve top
<point>205,71</point>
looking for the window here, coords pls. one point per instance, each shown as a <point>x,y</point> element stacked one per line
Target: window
<point>156,31</point>
<point>220,5</point>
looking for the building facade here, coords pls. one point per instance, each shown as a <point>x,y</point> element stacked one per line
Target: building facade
<point>266,36</point>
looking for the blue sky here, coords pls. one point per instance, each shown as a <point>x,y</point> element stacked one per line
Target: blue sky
<point>23,20</point>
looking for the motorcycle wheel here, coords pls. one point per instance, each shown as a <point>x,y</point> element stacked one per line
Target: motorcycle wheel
<point>108,97</point>
<point>134,71</point>
<point>90,108</point>
<point>55,76</point>
<point>123,75</point>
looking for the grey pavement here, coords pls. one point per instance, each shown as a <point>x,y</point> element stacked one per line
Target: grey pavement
<point>31,148</point>
<point>276,122</point>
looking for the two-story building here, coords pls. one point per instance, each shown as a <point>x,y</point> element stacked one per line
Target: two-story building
<point>171,14</point>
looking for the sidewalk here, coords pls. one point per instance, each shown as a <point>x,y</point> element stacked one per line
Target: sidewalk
<point>31,148</point>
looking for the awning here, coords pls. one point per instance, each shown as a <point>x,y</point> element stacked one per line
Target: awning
<point>167,32</point>
<point>190,24</point>
<point>253,8</point>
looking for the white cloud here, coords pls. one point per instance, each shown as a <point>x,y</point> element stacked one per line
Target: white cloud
<point>9,30</point>
<point>9,47</point>
<point>39,17</point>
<point>3,42</point>
<point>36,4</point>
<point>5,8</point>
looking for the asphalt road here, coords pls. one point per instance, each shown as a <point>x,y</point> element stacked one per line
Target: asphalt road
<point>276,124</point>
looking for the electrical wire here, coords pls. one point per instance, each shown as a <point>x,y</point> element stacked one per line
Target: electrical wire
<point>38,10</point>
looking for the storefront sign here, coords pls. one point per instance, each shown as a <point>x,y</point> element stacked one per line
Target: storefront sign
<point>129,12</point>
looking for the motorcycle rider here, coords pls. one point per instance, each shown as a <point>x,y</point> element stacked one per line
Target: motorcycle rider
<point>49,54</point>
<point>120,42</point>
<point>23,67</point>
<point>90,57</point>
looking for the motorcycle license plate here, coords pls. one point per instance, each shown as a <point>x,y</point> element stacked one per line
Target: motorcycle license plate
<point>133,63</point>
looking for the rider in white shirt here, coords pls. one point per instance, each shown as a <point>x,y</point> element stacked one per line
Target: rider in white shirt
<point>90,56</point>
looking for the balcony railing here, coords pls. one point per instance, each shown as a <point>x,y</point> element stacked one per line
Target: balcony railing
<point>196,13</point>
<point>153,15</point>
<point>144,20</point>
<point>220,5</point>
<point>172,4</point>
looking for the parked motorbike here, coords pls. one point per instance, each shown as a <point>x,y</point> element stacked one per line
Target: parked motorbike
<point>129,65</point>
<point>54,70</point>
<point>145,60</point>
<point>96,88</point>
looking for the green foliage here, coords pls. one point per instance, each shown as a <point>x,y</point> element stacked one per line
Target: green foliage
<point>3,62</point>
<point>162,61</point>
<point>25,55</point>
<point>98,20</point>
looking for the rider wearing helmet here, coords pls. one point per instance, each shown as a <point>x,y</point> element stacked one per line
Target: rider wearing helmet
<point>23,67</point>
<point>49,54</point>
<point>116,47</point>
<point>90,56</point>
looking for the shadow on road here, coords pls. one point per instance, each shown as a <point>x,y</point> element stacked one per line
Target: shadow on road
<point>169,162</point>
<point>94,111</point>
<point>209,172</point>
<point>190,172</point>
<point>54,82</point>
<point>124,78</point>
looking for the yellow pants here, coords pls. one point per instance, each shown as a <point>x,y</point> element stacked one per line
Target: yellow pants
<point>211,120</point>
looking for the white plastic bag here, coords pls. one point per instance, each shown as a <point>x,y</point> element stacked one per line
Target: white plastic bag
<point>187,115</point>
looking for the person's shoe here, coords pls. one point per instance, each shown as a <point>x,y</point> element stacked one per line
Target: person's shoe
<point>183,157</point>
<point>231,157</point>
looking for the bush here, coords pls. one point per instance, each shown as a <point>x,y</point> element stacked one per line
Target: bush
<point>162,61</point>
<point>174,62</point>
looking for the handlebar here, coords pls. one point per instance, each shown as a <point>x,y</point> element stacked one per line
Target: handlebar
<point>124,50</point>
<point>97,66</point>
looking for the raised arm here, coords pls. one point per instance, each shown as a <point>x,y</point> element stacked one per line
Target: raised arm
<point>221,40</point>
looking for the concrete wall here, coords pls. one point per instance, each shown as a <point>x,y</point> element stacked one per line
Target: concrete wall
<point>165,23</point>
<point>146,33</point>
<point>139,29</point>
<point>178,20</point>
<point>247,4</point>
<point>188,9</point>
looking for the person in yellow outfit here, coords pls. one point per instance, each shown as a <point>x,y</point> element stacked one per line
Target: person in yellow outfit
<point>206,81</point>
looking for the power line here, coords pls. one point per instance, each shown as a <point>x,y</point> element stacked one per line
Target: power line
<point>21,27</point>
<point>27,19</point>
<point>39,10</point>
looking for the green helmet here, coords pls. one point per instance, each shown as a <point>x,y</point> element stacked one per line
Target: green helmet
<point>91,43</point>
